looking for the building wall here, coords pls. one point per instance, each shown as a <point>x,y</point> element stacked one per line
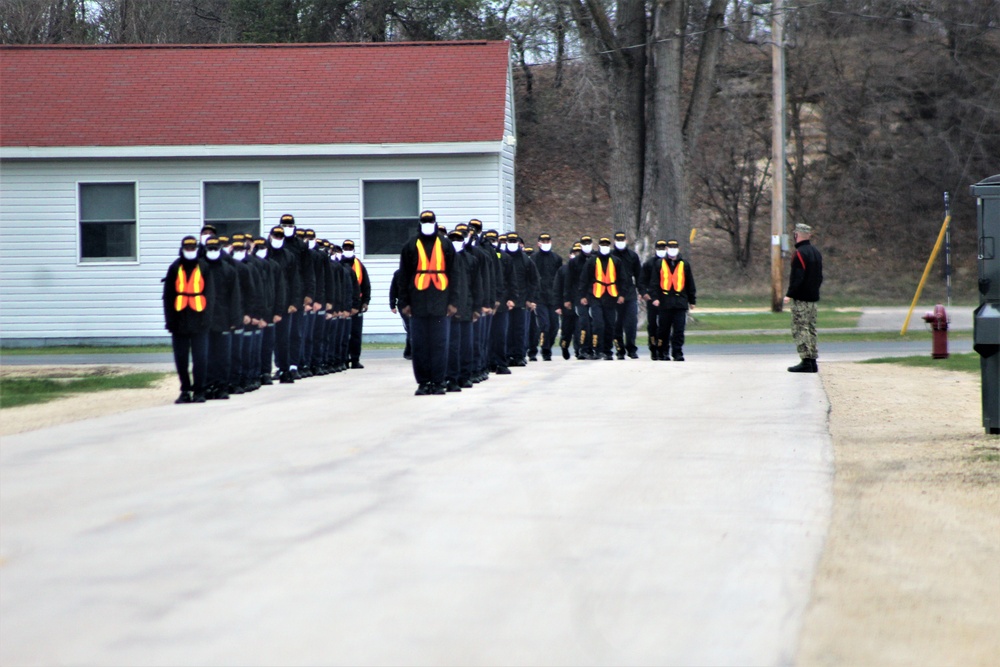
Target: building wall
<point>46,293</point>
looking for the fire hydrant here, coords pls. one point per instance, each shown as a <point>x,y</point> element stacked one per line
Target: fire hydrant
<point>938,320</point>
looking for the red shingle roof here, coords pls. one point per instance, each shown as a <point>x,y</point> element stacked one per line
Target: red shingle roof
<point>252,94</point>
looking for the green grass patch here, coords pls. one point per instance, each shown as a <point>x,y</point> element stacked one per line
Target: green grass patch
<point>85,349</point>
<point>15,391</point>
<point>985,455</point>
<point>826,319</point>
<point>967,362</point>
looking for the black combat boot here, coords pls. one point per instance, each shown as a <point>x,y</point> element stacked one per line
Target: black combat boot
<point>804,366</point>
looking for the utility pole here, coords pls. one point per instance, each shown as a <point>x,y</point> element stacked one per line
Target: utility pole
<point>777,150</point>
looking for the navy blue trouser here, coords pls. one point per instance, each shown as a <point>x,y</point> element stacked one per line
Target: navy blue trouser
<point>626,326</point>
<point>498,338</point>
<point>282,341</point>
<point>193,347</point>
<point>671,329</point>
<point>459,351</point>
<point>296,324</point>
<point>305,348</point>
<point>584,334</point>
<point>354,348</point>
<point>603,321</point>
<point>219,358</point>
<point>516,332</point>
<point>547,326</point>
<point>236,365</point>
<point>429,343</point>
<point>568,331</point>
<point>267,348</point>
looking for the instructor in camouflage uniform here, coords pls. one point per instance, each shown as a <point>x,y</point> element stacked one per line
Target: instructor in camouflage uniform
<point>803,293</point>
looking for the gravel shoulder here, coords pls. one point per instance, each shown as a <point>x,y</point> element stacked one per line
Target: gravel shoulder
<point>910,573</point>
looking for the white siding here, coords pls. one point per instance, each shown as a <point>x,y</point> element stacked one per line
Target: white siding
<point>508,151</point>
<point>46,293</point>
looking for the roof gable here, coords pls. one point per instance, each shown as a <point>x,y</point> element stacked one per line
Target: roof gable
<point>227,95</point>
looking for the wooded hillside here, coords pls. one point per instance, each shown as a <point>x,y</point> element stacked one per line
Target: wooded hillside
<point>655,116</point>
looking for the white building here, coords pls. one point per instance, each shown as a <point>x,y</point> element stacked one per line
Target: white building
<point>110,155</point>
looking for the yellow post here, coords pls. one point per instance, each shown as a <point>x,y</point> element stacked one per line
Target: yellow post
<point>927,270</point>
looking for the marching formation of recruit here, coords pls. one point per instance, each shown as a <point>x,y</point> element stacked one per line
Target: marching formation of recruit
<point>475,302</point>
<point>238,308</point>
<point>244,311</point>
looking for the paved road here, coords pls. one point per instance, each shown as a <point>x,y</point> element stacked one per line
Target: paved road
<point>580,513</point>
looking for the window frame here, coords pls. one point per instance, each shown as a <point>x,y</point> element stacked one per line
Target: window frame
<point>361,209</point>
<point>107,261</point>
<point>260,199</point>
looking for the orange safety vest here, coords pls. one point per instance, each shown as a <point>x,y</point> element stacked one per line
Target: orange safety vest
<point>190,291</point>
<point>358,271</point>
<point>430,270</point>
<point>671,279</point>
<point>604,280</point>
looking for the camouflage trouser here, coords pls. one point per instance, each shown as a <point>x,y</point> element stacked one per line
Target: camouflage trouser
<point>804,328</point>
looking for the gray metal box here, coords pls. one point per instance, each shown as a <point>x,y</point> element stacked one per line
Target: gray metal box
<point>986,336</point>
<point>986,326</point>
<point>987,194</point>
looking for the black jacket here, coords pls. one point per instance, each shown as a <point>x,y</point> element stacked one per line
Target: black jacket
<point>523,283</point>
<point>632,266</point>
<point>588,278</point>
<point>364,286</point>
<point>572,288</point>
<point>187,321</point>
<point>807,273</point>
<point>227,312</point>
<point>672,298</point>
<point>430,302</point>
<point>466,294</point>
<point>548,264</point>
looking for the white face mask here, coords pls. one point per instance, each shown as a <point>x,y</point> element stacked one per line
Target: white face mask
<point>587,248</point>
<point>661,253</point>
<point>212,254</point>
<point>239,255</point>
<point>545,247</point>
<point>673,252</point>
<point>459,245</point>
<point>337,256</point>
<point>205,237</point>
<point>349,254</point>
<point>428,228</point>
<point>620,245</point>
<point>312,243</point>
<point>277,243</point>
<point>513,247</point>
<point>289,232</point>
<point>260,252</point>
<point>605,249</point>
<point>190,254</point>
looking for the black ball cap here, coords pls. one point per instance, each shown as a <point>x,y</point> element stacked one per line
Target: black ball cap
<point>428,216</point>
<point>189,242</point>
<point>348,244</point>
<point>278,232</point>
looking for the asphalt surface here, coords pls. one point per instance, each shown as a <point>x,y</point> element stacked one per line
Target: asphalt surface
<point>632,512</point>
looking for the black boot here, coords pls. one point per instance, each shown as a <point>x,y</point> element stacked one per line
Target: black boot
<point>804,366</point>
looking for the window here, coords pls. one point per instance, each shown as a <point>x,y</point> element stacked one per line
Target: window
<point>233,207</point>
<point>391,215</point>
<point>107,222</point>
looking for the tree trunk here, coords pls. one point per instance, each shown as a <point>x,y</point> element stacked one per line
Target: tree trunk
<point>668,208</point>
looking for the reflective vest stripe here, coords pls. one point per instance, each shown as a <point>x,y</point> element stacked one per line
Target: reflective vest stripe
<point>358,272</point>
<point>190,291</point>
<point>430,270</point>
<point>671,280</point>
<point>604,280</point>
